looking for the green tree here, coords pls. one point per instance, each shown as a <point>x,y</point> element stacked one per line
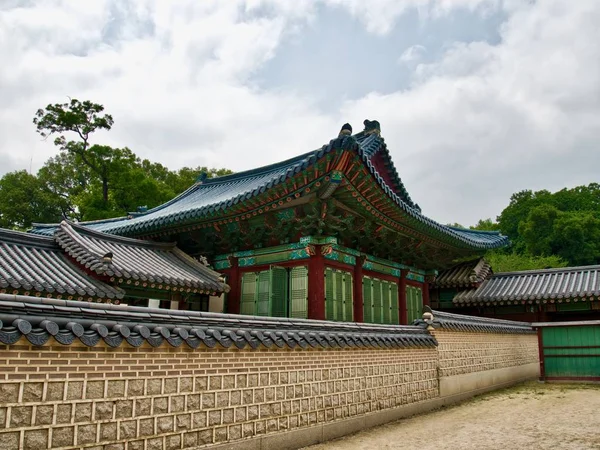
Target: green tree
<point>576,238</point>
<point>81,119</point>
<point>92,181</point>
<point>511,262</point>
<point>486,225</point>
<point>537,230</point>
<point>24,200</point>
<point>65,178</point>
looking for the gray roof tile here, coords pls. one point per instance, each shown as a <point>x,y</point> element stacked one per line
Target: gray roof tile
<point>459,322</point>
<point>73,320</point>
<point>467,274</point>
<point>145,262</point>
<point>216,194</point>
<point>536,286</point>
<point>37,265</point>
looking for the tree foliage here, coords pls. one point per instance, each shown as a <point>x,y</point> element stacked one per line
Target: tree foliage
<point>86,181</point>
<point>24,199</point>
<point>511,261</point>
<point>565,224</point>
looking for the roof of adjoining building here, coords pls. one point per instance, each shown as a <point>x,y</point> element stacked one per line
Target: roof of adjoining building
<point>37,265</point>
<point>40,319</point>
<point>82,264</point>
<point>212,196</point>
<point>145,263</point>
<point>536,286</point>
<point>467,274</point>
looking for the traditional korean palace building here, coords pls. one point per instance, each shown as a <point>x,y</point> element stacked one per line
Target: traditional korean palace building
<point>330,234</point>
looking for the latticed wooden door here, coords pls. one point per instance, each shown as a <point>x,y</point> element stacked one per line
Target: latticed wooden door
<point>380,301</point>
<point>394,310</point>
<point>339,304</point>
<point>414,303</point>
<point>299,292</point>
<point>277,292</point>
<point>248,298</point>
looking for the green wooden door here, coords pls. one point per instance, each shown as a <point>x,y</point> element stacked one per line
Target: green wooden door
<point>377,301</point>
<point>367,300</point>
<point>278,291</point>
<point>339,303</point>
<point>414,303</point>
<point>248,300</point>
<point>571,352</point>
<point>380,301</point>
<point>299,292</point>
<point>395,318</point>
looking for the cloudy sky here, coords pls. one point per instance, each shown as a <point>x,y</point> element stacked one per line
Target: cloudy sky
<point>477,99</point>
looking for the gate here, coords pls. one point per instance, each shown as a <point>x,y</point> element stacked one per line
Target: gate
<point>569,350</point>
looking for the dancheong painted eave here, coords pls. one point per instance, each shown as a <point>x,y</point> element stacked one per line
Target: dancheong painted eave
<point>216,197</point>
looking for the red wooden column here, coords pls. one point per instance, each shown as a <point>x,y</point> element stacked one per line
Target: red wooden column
<point>316,285</point>
<point>358,290</point>
<point>402,298</point>
<point>425,288</point>
<point>234,281</point>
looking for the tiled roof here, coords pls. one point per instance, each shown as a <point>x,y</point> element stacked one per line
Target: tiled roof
<point>217,194</point>
<point>536,286</point>
<point>459,322</point>
<point>145,263</point>
<point>37,265</point>
<point>40,319</point>
<point>467,274</point>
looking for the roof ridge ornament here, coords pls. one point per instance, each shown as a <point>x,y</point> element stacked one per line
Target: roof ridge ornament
<point>201,177</point>
<point>346,130</point>
<point>372,127</point>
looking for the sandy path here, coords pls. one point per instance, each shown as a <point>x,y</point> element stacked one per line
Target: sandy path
<point>530,416</point>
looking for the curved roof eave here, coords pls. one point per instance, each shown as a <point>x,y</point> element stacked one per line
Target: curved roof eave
<point>223,192</point>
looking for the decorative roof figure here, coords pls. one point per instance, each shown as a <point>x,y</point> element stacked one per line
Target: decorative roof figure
<point>346,130</point>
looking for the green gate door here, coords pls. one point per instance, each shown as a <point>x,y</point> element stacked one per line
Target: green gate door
<point>571,352</point>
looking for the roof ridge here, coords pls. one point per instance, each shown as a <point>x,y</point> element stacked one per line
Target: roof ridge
<point>89,248</point>
<point>262,169</point>
<point>23,237</point>
<point>470,230</point>
<point>121,239</point>
<point>550,270</point>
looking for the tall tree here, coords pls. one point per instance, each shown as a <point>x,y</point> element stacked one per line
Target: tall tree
<point>81,119</point>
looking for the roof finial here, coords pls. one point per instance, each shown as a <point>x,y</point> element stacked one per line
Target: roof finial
<point>346,130</point>
<point>372,127</point>
<point>203,176</point>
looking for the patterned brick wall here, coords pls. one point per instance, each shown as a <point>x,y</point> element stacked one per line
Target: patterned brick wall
<point>172,398</point>
<point>468,352</point>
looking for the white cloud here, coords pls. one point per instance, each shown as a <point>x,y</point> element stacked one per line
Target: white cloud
<point>412,54</point>
<point>473,127</point>
<point>379,16</point>
<point>487,121</point>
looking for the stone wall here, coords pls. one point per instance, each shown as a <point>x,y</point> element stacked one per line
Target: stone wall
<point>155,398</point>
<point>477,361</point>
<point>163,396</point>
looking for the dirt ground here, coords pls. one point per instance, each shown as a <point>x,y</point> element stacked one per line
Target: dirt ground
<point>530,416</point>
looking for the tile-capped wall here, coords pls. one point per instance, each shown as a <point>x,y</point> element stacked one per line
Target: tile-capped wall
<point>175,398</point>
<point>467,352</point>
<point>166,398</point>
